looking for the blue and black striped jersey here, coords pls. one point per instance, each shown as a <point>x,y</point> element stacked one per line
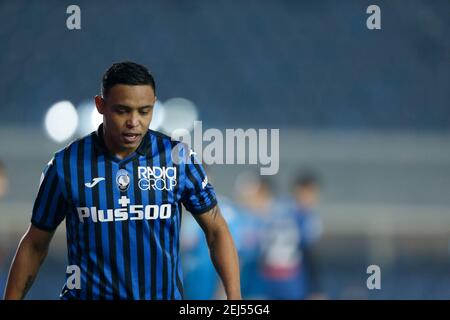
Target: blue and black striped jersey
<point>123,216</point>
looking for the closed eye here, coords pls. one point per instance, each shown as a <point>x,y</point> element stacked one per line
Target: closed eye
<point>121,109</point>
<point>144,111</point>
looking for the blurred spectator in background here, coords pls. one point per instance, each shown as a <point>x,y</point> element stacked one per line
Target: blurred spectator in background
<point>289,264</point>
<point>200,278</point>
<point>255,194</point>
<point>3,181</point>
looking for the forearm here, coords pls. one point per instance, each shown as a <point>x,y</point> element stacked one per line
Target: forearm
<point>24,269</point>
<point>225,259</point>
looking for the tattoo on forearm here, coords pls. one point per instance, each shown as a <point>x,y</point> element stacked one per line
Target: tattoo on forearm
<point>214,212</point>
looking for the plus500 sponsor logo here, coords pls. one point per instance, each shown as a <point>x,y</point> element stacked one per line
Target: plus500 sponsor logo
<point>156,178</point>
<point>134,212</point>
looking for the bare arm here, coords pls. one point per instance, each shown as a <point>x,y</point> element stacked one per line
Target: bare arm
<point>30,254</point>
<point>222,250</point>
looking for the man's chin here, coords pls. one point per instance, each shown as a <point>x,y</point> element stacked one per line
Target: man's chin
<point>131,145</point>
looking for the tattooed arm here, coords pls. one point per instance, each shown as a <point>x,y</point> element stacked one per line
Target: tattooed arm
<point>30,254</point>
<point>222,250</point>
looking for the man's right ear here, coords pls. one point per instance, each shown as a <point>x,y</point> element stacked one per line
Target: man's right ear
<point>99,104</point>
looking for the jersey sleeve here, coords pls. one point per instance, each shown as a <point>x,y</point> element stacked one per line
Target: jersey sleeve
<point>199,195</point>
<point>49,208</point>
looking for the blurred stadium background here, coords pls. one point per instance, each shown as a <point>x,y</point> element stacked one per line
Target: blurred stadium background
<point>368,110</point>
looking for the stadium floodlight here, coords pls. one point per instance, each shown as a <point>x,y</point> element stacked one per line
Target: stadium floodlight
<point>158,115</point>
<point>85,114</point>
<point>61,121</point>
<point>96,118</point>
<point>180,113</point>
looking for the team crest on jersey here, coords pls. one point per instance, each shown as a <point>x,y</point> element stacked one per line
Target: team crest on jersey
<point>123,180</point>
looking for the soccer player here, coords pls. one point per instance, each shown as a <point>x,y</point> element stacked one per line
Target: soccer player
<point>121,190</point>
<point>289,256</point>
<point>200,278</point>
<point>257,201</point>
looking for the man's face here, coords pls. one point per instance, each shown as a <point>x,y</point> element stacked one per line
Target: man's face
<point>127,112</point>
<point>307,196</point>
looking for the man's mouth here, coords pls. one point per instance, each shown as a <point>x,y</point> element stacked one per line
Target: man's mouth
<point>131,137</point>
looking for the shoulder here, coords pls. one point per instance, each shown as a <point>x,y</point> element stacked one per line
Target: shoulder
<point>179,148</point>
<point>74,144</point>
<point>164,137</point>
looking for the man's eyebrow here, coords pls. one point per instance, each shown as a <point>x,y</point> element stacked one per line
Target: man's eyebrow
<point>128,107</point>
<point>121,106</point>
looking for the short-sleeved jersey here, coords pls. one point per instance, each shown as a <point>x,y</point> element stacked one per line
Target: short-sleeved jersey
<point>123,216</point>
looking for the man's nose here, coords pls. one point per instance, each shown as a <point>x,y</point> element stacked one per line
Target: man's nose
<point>133,120</point>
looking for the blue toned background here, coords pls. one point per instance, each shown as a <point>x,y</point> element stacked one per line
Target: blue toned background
<point>368,110</point>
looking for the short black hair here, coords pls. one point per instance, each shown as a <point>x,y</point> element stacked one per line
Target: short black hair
<point>307,178</point>
<point>267,183</point>
<point>128,73</point>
